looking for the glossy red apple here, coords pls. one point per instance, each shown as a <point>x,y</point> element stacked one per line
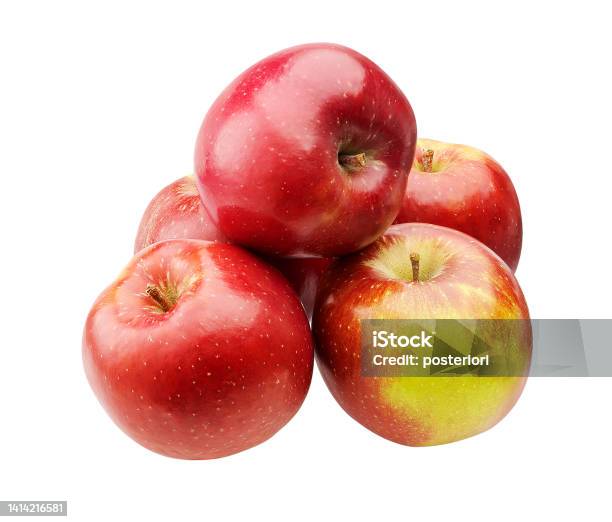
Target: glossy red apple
<point>198,350</point>
<point>457,277</point>
<point>176,212</point>
<point>304,275</point>
<point>306,153</point>
<point>463,188</point>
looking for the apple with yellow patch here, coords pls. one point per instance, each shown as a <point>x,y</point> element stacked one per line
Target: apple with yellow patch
<point>419,271</point>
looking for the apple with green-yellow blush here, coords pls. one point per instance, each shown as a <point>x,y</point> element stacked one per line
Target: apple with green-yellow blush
<point>419,271</point>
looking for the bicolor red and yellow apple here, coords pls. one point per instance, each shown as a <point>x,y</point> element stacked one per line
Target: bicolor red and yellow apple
<point>198,350</point>
<point>456,277</point>
<point>464,188</point>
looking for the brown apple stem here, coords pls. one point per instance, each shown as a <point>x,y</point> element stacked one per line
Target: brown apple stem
<point>156,294</point>
<point>415,259</point>
<point>427,160</point>
<point>354,161</point>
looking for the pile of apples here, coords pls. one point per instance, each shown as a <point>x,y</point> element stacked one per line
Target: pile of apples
<point>312,198</point>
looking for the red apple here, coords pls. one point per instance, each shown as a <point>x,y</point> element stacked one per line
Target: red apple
<point>306,153</point>
<point>176,212</point>
<point>463,188</point>
<point>304,275</point>
<point>457,277</point>
<point>198,350</point>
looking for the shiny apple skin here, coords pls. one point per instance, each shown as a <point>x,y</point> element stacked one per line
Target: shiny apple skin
<point>266,156</point>
<point>472,282</point>
<point>222,371</point>
<point>469,192</point>
<point>304,276</point>
<point>176,212</point>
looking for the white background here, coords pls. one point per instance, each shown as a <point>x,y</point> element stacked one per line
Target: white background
<point>99,108</point>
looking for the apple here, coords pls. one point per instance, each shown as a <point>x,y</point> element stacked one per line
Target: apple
<point>176,212</point>
<point>198,350</point>
<point>457,277</point>
<point>304,275</point>
<point>463,188</point>
<point>306,153</point>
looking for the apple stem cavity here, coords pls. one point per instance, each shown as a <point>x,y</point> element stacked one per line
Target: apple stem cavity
<point>427,160</point>
<point>352,161</point>
<point>158,296</point>
<point>415,260</point>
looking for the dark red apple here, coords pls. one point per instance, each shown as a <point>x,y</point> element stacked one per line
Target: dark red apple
<point>176,212</point>
<point>463,188</point>
<point>198,350</point>
<point>420,271</point>
<point>304,275</point>
<point>306,153</point>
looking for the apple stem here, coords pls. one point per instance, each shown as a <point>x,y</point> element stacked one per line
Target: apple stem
<point>415,259</point>
<point>354,161</point>
<point>156,294</point>
<point>427,160</point>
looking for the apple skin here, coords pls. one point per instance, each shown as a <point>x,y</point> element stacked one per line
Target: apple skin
<point>223,370</point>
<point>304,276</point>
<point>176,212</point>
<point>271,155</point>
<point>469,281</point>
<point>469,191</point>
